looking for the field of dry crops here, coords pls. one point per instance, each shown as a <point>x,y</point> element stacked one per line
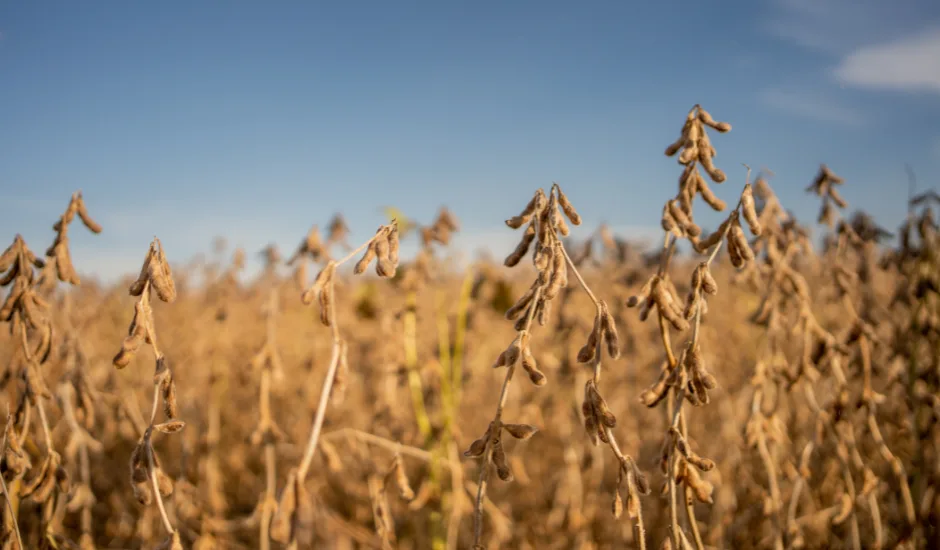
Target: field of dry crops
<point>756,391</point>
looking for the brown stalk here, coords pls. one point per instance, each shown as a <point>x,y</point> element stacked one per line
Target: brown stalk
<point>488,453</point>
<point>695,153</point>
<point>544,221</point>
<point>27,311</point>
<point>626,463</point>
<point>6,492</point>
<point>334,361</point>
<point>156,276</point>
<point>267,433</point>
<point>323,290</point>
<point>678,421</point>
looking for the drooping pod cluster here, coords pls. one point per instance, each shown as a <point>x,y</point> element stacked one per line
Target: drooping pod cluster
<point>776,232</point>
<point>770,213</point>
<point>144,460</point>
<point>688,467</point>
<point>599,419</point>
<point>44,482</point>
<point>311,246</point>
<point>28,314</point>
<point>441,230</point>
<point>730,230</point>
<point>518,349</point>
<point>77,402</point>
<point>142,330</point>
<point>781,238</point>
<point>702,283</point>
<point>864,230</point>
<point>824,186</point>
<point>678,221</point>
<point>543,221</point>
<point>337,231</point>
<point>660,293</point>
<point>919,230</point>
<point>148,479</point>
<point>155,271</point>
<point>316,249</point>
<point>23,307</point>
<point>740,253</point>
<point>916,254</point>
<point>59,250</point>
<point>916,297</point>
<point>321,290</point>
<point>491,439</point>
<point>292,520</point>
<point>271,258</point>
<point>15,461</point>
<point>862,235</point>
<point>690,375</point>
<point>857,241</point>
<point>749,210</point>
<point>50,475</point>
<point>424,267</point>
<point>700,379</point>
<point>382,248</point>
<point>787,300</point>
<point>597,414</point>
<point>378,484</point>
<point>294,512</point>
<point>155,274</point>
<point>631,482</point>
<point>604,332</point>
<point>695,149</point>
<point>686,377</point>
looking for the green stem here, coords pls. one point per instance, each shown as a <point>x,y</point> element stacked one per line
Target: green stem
<point>460,334</point>
<point>411,365</point>
<point>444,361</point>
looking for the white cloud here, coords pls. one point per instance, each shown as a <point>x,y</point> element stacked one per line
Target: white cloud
<point>811,106</point>
<point>908,64</point>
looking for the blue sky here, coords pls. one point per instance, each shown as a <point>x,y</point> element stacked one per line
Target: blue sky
<point>256,120</point>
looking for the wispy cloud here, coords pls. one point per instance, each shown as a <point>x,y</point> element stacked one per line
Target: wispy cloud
<point>813,106</point>
<point>838,27</point>
<point>801,22</point>
<point>906,64</point>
